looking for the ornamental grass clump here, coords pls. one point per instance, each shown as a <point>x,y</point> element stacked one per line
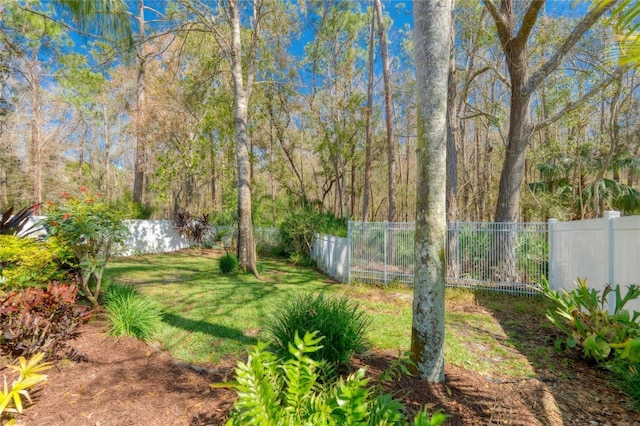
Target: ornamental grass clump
<point>130,313</point>
<point>341,322</point>
<point>228,263</point>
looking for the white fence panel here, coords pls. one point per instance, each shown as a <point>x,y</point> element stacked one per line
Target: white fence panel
<point>604,251</point>
<point>579,251</point>
<point>626,254</point>
<point>152,236</point>
<point>332,256</point>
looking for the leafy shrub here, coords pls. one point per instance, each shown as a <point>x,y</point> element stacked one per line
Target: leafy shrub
<point>130,209</point>
<point>340,322</point>
<point>194,229</point>
<point>228,263</point>
<point>93,231</point>
<point>27,262</point>
<point>298,229</point>
<point>295,392</point>
<point>29,375</point>
<point>583,316</point>
<point>40,320</point>
<point>611,339</point>
<point>130,313</point>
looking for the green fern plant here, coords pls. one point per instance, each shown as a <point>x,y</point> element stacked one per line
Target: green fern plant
<point>304,391</point>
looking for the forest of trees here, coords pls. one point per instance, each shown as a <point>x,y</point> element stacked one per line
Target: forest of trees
<point>329,115</point>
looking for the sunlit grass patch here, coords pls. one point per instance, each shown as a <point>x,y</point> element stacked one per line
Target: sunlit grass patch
<point>208,316</point>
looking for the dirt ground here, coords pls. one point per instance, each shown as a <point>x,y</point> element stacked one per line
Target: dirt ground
<point>127,382</point>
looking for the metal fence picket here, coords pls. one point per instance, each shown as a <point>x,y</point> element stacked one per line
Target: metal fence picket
<point>508,257</point>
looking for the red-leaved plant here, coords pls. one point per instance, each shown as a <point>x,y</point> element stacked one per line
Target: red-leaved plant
<point>40,320</point>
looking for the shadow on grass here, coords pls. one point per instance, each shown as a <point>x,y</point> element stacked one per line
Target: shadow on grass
<point>563,378</point>
<point>214,330</point>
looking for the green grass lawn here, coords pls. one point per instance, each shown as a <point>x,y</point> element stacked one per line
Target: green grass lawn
<point>209,317</point>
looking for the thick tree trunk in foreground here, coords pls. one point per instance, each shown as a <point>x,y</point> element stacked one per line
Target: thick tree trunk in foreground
<point>432,51</point>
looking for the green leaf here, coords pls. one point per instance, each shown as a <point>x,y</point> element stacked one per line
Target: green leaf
<point>596,348</point>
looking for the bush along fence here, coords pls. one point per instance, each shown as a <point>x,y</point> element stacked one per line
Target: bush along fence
<point>507,257</point>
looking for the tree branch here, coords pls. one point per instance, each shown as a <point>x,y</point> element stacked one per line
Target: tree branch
<point>528,22</point>
<point>500,21</point>
<point>572,106</point>
<point>583,26</point>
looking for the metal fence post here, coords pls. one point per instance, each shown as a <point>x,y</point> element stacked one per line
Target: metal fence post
<point>349,228</point>
<point>610,215</point>
<point>458,253</point>
<point>552,278</point>
<point>384,232</point>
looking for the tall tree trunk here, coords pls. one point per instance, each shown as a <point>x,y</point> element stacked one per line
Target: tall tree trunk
<point>4,196</point>
<point>452,155</point>
<point>107,153</point>
<point>246,245</point>
<point>514,40</point>
<point>432,52</point>
<point>388,109</point>
<point>36,142</point>
<point>368,141</point>
<point>140,149</point>
<point>514,37</point>
<point>613,130</point>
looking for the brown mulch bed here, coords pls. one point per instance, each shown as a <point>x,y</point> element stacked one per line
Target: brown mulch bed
<point>127,382</point>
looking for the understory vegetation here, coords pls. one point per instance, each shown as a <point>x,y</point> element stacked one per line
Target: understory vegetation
<point>599,326</point>
<point>130,313</point>
<point>340,322</point>
<point>298,389</point>
<point>192,305</point>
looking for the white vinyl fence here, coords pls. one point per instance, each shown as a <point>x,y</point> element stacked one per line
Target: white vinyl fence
<point>604,251</point>
<point>332,256</point>
<point>152,236</point>
<point>159,236</point>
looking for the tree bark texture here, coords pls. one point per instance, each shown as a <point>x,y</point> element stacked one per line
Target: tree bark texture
<point>432,52</point>
<point>246,246</point>
<point>140,151</point>
<point>453,133</point>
